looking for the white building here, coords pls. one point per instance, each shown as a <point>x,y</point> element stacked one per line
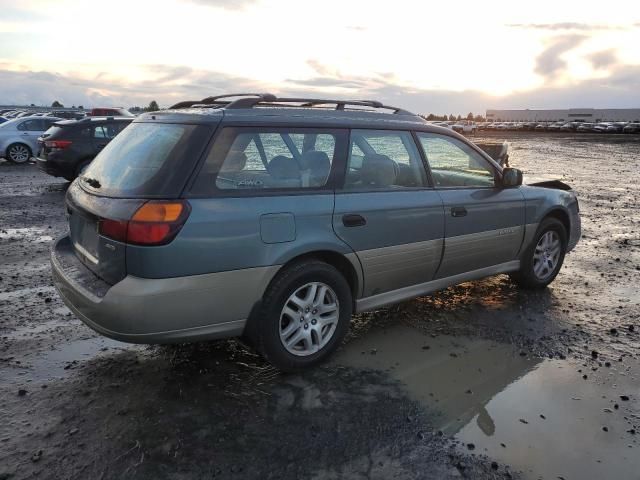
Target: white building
<point>571,114</point>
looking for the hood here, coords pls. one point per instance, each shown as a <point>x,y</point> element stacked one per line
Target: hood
<point>545,182</point>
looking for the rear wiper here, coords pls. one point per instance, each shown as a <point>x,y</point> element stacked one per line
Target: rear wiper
<point>92,182</point>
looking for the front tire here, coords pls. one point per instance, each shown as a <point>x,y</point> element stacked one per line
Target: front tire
<point>542,261</point>
<point>304,317</point>
<point>18,153</point>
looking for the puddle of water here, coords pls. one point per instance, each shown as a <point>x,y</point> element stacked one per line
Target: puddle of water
<point>480,390</point>
<point>34,329</point>
<point>50,365</point>
<point>33,234</point>
<point>21,292</point>
<point>630,293</point>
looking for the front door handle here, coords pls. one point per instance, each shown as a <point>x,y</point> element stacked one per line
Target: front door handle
<point>353,220</point>
<point>458,212</point>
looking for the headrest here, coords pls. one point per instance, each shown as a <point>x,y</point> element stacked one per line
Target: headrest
<point>234,162</point>
<point>314,160</point>
<point>283,168</point>
<point>378,170</point>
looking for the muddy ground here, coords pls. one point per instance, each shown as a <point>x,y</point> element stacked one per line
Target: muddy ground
<point>479,381</point>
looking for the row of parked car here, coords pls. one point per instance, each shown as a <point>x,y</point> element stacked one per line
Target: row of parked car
<point>10,114</point>
<point>64,148</point>
<point>468,126</point>
<point>600,127</point>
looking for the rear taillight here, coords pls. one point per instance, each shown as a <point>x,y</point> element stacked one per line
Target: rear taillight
<point>57,144</point>
<point>154,223</point>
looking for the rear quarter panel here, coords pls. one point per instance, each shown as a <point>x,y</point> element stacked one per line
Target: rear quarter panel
<point>224,234</point>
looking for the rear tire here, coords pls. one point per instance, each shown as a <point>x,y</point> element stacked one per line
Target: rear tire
<point>304,316</point>
<point>18,153</point>
<point>542,261</point>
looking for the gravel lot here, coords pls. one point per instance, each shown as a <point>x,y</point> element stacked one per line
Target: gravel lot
<point>479,381</point>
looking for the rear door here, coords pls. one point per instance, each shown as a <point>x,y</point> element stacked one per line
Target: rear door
<point>484,222</point>
<point>29,131</point>
<point>263,195</point>
<point>387,212</point>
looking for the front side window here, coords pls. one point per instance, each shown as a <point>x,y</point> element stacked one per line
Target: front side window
<point>383,159</point>
<point>261,159</point>
<point>454,163</point>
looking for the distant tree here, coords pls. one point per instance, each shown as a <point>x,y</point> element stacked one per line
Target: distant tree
<point>479,118</point>
<point>73,106</point>
<point>32,105</point>
<point>81,107</point>
<point>469,116</point>
<point>452,117</point>
<point>57,104</point>
<point>153,106</point>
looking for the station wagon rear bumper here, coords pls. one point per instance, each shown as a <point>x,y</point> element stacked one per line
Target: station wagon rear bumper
<point>169,310</point>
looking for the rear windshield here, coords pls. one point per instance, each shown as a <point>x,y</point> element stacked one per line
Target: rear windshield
<point>53,130</point>
<point>146,160</point>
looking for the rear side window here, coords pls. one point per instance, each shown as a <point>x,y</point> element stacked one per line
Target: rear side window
<point>107,131</point>
<point>255,159</point>
<point>148,160</point>
<point>31,125</point>
<point>384,159</point>
<point>54,130</point>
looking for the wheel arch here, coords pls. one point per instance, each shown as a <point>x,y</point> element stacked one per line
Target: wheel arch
<point>562,216</point>
<point>18,142</point>
<point>349,268</point>
<point>347,264</point>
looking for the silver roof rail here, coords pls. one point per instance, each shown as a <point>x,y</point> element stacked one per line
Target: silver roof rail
<point>250,100</point>
<point>215,100</point>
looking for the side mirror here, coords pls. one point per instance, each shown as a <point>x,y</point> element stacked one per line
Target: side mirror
<point>511,177</point>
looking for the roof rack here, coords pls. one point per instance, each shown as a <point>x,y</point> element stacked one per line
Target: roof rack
<point>250,100</point>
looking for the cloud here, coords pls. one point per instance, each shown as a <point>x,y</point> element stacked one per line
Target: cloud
<point>320,68</point>
<point>604,59</point>
<point>226,4</point>
<point>320,82</point>
<point>550,63</point>
<point>13,14</point>
<point>170,84</point>
<point>566,26</point>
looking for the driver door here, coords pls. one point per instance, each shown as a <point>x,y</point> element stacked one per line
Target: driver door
<point>484,222</point>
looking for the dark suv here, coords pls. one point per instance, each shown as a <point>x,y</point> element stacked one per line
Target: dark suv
<point>68,147</point>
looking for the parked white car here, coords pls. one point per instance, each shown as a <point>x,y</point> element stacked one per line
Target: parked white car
<point>19,137</point>
<point>465,126</point>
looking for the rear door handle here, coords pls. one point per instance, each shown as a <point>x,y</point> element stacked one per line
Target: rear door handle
<point>353,220</point>
<point>458,212</point>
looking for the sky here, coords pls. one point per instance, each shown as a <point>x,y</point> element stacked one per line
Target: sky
<point>429,57</point>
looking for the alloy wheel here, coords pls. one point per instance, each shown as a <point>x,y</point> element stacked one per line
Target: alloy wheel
<point>546,255</point>
<point>18,154</point>
<point>309,318</point>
